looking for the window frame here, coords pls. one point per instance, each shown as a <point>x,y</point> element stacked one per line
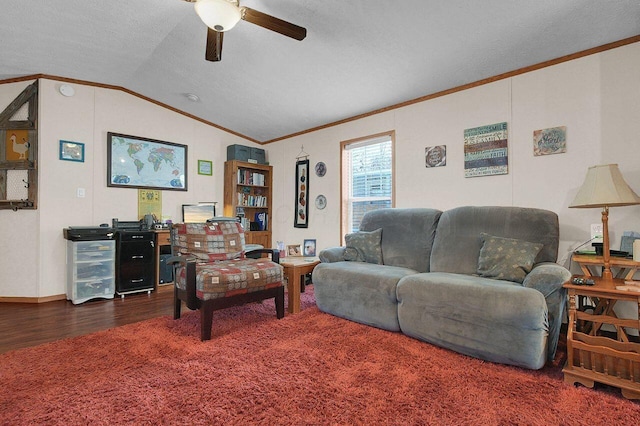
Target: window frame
<point>345,175</point>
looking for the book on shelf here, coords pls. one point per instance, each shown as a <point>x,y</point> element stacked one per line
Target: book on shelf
<point>244,222</point>
<point>247,177</point>
<point>249,200</point>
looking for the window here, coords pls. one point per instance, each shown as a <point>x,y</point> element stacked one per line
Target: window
<point>367,178</point>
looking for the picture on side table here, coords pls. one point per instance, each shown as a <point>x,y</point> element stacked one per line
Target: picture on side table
<point>309,248</point>
<point>294,250</point>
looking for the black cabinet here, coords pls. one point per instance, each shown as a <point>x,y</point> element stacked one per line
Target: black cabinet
<point>135,263</point>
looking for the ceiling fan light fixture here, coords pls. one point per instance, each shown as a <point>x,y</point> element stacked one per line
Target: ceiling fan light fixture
<point>219,15</point>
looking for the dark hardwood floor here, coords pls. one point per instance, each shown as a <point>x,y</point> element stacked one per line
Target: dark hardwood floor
<point>30,324</point>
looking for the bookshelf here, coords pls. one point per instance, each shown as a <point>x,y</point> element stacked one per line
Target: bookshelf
<point>247,193</point>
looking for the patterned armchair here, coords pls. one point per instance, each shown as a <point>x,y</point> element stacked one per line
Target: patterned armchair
<point>212,270</point>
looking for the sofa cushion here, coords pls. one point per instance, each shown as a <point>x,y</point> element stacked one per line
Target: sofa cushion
<point>506,258</point>
<point>364,247</point>
<point>211,241</point>
<point>407,235</point>
<point>360,292</point>
<point>456,247</point>
<point>494,320</point>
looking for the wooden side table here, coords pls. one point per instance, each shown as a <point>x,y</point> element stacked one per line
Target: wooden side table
<point>295,269</point>
<point>626,267</point>
<point>592,357</point>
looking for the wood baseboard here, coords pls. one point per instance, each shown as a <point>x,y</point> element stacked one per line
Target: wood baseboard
<point>33,299</point>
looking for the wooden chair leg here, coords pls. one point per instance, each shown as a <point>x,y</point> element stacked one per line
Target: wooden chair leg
<point>177,303</point>
<point>280,303</point>
<point>206,320</point>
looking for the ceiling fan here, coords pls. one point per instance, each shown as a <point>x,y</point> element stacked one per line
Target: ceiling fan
<point>222,15</point>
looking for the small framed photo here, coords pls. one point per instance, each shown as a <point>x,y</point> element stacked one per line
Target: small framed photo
<point>294,250</point>
<point>72,151</point>
<point>205,167</point>
<point>309,248</point>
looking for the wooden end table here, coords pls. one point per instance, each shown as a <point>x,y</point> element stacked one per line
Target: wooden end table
<point>593,357</point>
<point>295,269</point>
<point>626,267</point>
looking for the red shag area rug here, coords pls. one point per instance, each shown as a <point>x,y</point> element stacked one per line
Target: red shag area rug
<point>309,368</point>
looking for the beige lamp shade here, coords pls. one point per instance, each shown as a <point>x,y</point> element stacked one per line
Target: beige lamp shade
<point>604,186</point>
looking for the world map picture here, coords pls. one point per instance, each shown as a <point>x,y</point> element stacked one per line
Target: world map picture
<point>138,162</point>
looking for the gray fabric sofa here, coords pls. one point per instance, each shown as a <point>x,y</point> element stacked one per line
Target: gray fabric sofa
<point>439,280</point>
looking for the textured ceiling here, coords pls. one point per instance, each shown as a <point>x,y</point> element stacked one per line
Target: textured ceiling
<point>359,55</point>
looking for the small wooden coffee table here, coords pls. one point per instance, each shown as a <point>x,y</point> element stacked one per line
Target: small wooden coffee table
<point>295,268</point>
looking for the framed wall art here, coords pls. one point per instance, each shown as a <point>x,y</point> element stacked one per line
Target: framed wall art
<point>17,145</point>
<point>485,150</point>
<point>205,168</point>
<point>550,141</point>
<point>321,169</point>
<point>72,151</point>
<point>435,156</point>
<point>135,162</point>
<point>302,194</point>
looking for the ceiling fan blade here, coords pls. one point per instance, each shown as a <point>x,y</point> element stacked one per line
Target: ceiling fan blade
<point>214,45</point>
<point>274,24</point>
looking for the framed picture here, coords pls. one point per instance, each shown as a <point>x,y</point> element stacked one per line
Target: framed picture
<point>16,145</point>
<point>205,167</point>
<point>309,248</point>
<point>486,150</point>
<point>302,194</point>
<point>294,250</point>
<point>550,141</point>
<point>435,156</point>
<point>135,162</point>
<point>72,151</point>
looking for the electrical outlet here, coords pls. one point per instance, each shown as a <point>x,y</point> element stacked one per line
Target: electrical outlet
<point>80,193</point>
<point>596,232</point>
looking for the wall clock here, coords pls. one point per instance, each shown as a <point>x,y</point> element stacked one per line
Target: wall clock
<point>321,202</point>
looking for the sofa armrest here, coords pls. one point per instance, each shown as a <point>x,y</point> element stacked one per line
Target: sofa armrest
<point>257,253</point>
<point>548,279</point>
<point>179,260</point>
<point>332,254</point>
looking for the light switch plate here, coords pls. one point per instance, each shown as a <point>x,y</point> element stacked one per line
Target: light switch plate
<point>596,232</point>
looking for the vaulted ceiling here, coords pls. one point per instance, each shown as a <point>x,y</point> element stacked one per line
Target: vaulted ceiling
<point>358,56</point>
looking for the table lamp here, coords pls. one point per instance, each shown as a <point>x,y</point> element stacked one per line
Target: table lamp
<point>605,187</point>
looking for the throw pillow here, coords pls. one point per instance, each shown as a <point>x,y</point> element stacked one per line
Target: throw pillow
<point>364,247</point>
<point>506,258</point>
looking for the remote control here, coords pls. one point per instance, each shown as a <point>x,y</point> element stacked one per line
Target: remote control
<point>582,281</point>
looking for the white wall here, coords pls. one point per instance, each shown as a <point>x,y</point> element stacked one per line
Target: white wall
<point>33,263</point>
<point>596,97</point>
